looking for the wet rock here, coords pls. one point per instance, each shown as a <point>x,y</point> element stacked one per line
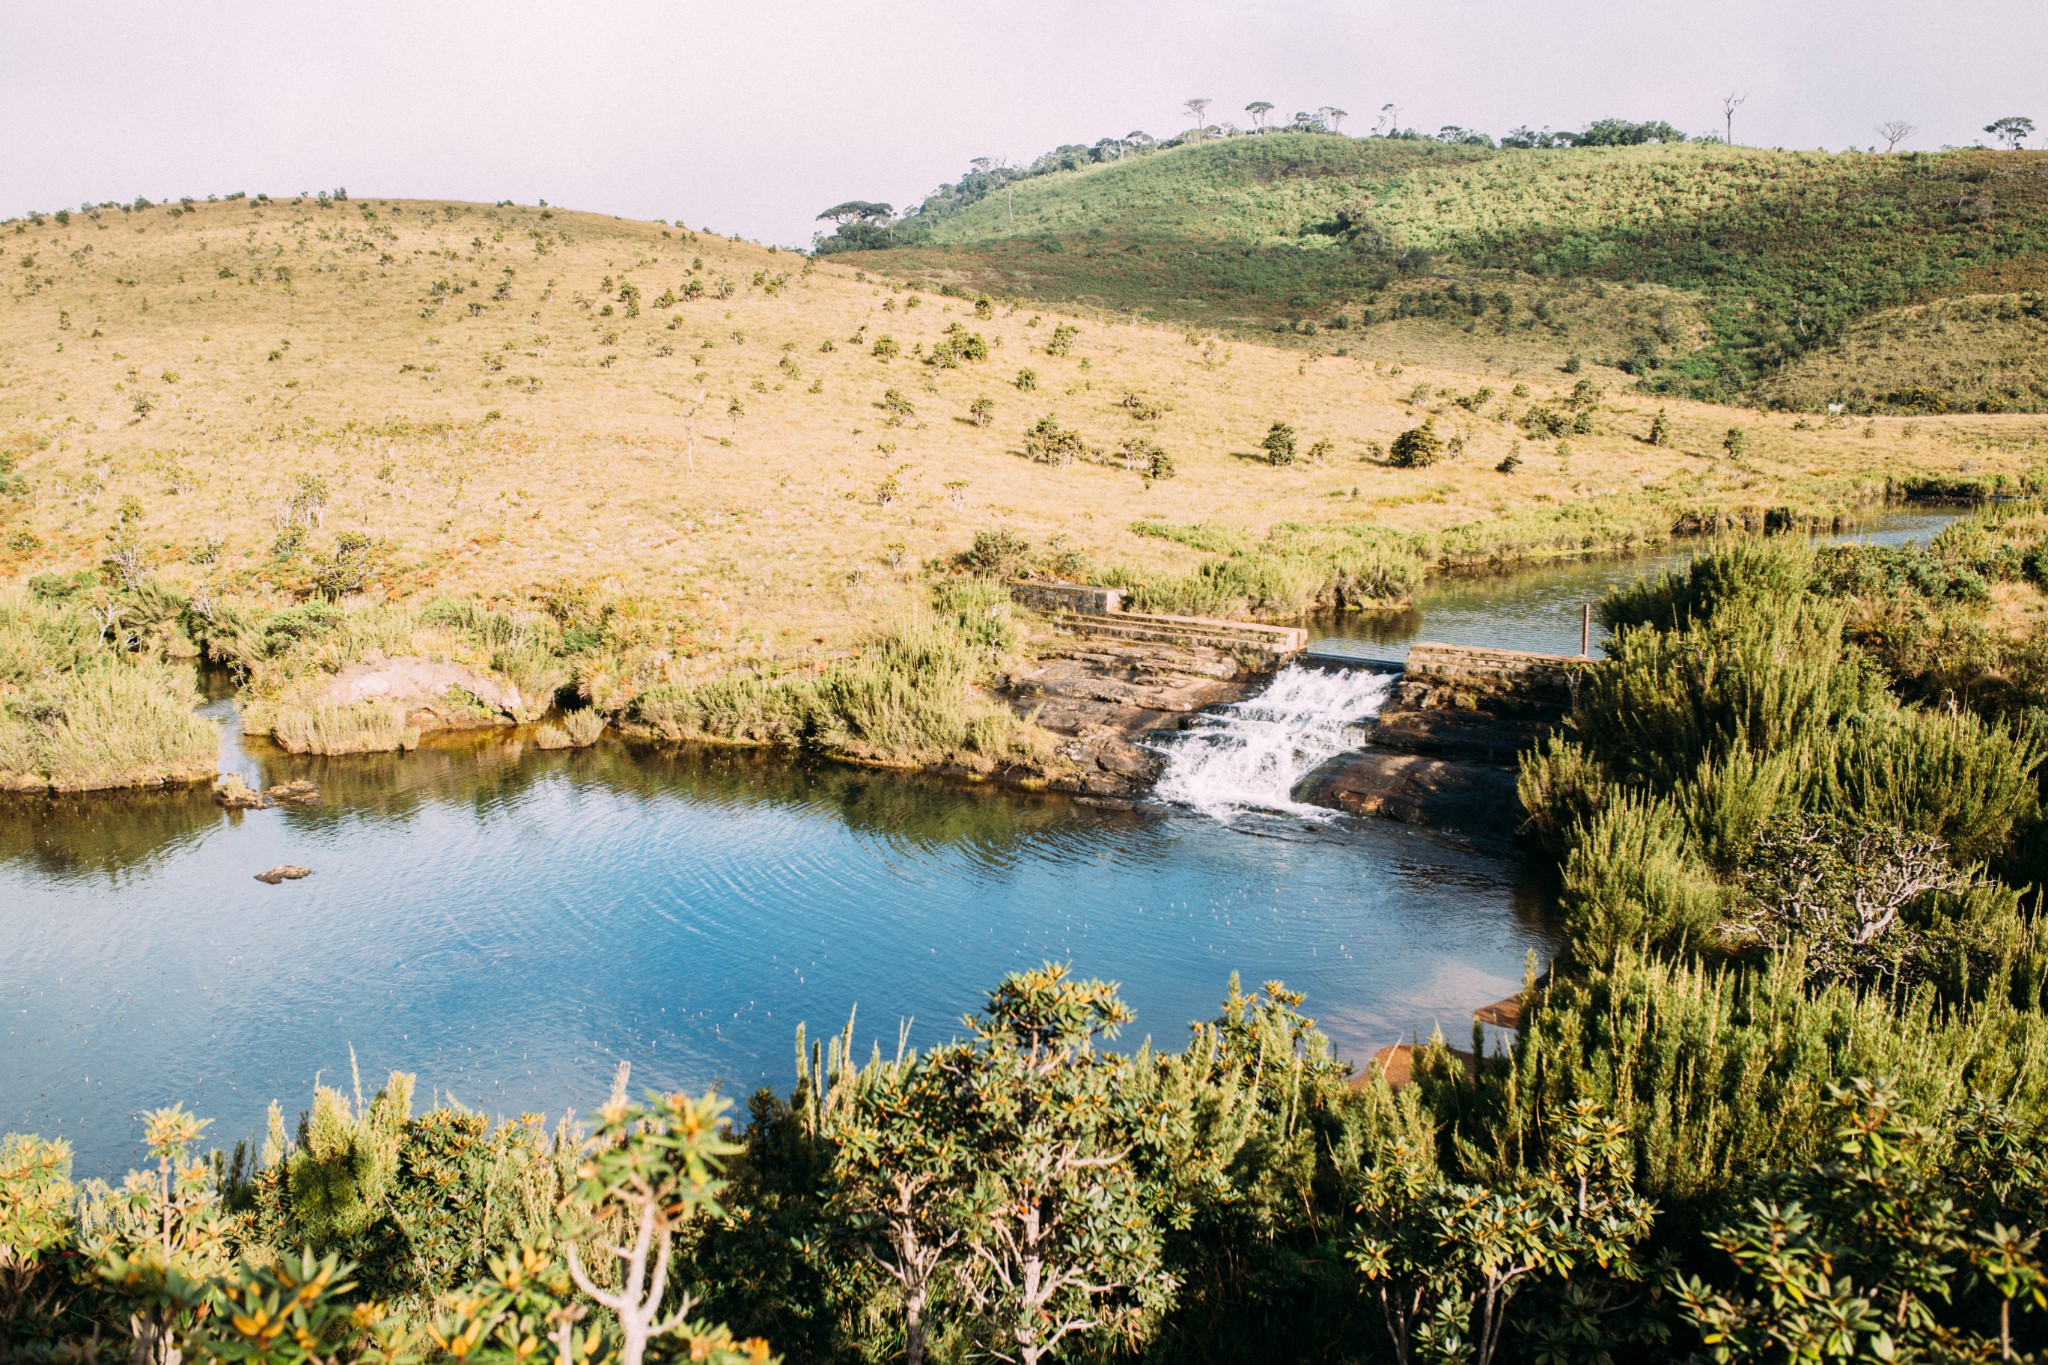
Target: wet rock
<point>1471,735</point>
<point>1437,793</point>
<point>235,794</point>
<point>1103,698</point>
<point>284,872</point>
<point>298,793</point>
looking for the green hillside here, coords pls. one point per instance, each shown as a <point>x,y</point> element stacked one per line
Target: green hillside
<point>1708,270</point>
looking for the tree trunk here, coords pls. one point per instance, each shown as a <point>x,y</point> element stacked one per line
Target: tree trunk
<point>913,1328</point>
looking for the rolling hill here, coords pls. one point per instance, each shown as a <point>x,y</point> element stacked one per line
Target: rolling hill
<point>1718,272</point>
<point>632,459</point>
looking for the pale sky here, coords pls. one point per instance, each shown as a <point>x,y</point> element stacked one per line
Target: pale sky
<point>748,118</point>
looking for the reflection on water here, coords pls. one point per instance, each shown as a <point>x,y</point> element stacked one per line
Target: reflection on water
<point>508,922</point>
<point>1538,607</point>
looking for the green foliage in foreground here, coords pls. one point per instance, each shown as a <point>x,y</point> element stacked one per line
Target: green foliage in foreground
<point>1646,1171</point>
<point>187,1259</point>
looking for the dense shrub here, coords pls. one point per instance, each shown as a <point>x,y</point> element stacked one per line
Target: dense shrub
<point>1279,444</point>
<point>1417,447</point>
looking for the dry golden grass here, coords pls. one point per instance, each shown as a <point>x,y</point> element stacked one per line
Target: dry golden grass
<point>511,434</point>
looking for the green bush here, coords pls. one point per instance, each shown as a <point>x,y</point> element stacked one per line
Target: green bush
<point>1632,881</point>
<point>1047,442</point>
<point>1279,444</point>
<point>1417,447</point>
<point>1732,571</point>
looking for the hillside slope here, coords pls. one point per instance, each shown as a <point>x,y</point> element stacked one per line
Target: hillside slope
<point>563,448</point>
<point>1704,269</point>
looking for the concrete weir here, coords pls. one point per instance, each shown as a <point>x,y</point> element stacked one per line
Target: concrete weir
<point>1436,747</point>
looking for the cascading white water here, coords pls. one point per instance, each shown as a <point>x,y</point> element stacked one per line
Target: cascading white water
<point>1249,755</point>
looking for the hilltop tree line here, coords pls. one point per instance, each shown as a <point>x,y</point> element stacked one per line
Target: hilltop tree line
<point>1783,1096</point>
<point>861,224</point>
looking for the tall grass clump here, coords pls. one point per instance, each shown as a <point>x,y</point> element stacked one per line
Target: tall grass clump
<point>1293,571</point>
<point>909,696</point>
<point>363,728</point>
<point>78,714</point>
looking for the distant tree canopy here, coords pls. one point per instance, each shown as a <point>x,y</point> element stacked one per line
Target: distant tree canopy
<point>2012,131</point>
<point>856,211</point>
<point>865,225</point>
<point>1606,132</point>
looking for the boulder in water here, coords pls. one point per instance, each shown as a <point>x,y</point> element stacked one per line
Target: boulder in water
<point>235,794</point>
<point>1437,793</point>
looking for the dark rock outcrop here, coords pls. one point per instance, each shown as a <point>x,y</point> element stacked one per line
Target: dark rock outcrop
<point>1438,793</point>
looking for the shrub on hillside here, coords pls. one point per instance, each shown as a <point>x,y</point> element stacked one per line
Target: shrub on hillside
<point>1279,444</point>
<point>1417,447</point>
<point>1047,442</point>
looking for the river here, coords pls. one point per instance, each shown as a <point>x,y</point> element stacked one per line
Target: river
<point>508,923</point>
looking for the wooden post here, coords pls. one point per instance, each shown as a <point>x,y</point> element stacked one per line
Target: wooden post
<point>1586,632</point>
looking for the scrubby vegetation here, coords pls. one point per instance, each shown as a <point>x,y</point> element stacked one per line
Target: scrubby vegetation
<point>1666,1149</point>
<point>909,696</point>
<point>1758,767</point>
<point>86,701</point>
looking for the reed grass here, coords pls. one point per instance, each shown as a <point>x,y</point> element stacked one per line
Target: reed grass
<point>361,728</point>
<point>78,715</point>
<point>909,696</point>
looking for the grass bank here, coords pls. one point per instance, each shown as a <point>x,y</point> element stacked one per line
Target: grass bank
<point>910,697</point>
<point>585,459</point>
<point>81,712</point>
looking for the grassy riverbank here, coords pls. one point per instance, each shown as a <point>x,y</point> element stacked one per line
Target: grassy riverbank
<point>594,461</point>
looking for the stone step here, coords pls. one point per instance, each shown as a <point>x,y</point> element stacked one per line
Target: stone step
<point>1225,635</point>
<point>1171,636</point>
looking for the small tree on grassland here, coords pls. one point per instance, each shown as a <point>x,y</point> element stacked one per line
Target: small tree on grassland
<point>1047,442</point>
<point>1279,444</point>
<point>2011,130</point>
<point>1417,447</point>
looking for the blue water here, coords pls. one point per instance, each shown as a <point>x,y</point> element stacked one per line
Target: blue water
<point>509,923</point>
<point>1542,607</point>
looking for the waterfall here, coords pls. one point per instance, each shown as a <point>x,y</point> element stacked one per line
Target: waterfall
<point>1251,754</point>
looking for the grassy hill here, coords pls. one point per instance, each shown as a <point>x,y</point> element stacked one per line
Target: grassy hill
<point>604,458</point>
<point>1704,269</point>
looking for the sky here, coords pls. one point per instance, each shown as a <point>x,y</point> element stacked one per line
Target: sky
<point>748,118</point>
